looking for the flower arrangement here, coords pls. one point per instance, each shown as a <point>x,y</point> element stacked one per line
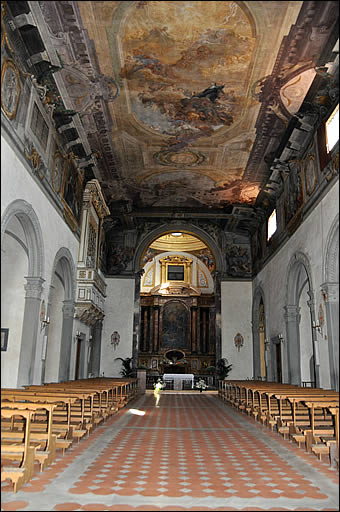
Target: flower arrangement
<point>159,385</point>
<point>201,385</point>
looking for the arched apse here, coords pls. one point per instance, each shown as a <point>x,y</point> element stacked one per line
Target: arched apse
<point>178,227</point>
<point>330,291</point>
<point>138,268</point>
<point>301,346</point>
<point>259,334</point>
<point>20,222</point>
<point>56,365</point>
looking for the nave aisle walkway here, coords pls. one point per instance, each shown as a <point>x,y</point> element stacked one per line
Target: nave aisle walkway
<point>191,452</point>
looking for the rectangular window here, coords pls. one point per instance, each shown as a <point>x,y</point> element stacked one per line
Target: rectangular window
<point>176,273</point>
<point>332,129</point>
<point>39,126</point>
<point>271,226</point>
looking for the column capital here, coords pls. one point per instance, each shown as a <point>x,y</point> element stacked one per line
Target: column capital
<point>34,287</point>
<point>292,312</point>
<point>330,292</point>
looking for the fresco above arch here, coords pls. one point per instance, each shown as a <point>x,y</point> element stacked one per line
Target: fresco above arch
<point>186,66</point>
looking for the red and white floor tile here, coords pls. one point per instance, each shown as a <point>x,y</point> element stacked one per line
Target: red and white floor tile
<point>188,452</point>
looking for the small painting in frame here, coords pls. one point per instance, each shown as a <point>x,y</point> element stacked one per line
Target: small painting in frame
<point>4,338</point>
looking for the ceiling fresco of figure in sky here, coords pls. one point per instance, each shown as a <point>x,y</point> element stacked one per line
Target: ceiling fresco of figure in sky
<point>186,67</point>
<point>205,91</point>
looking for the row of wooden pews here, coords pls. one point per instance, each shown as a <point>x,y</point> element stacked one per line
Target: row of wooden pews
<point>36,421</point>
<point>307,416</point>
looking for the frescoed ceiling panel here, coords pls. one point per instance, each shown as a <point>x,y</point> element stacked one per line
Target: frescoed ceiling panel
<point>185,103</point>
<point>185,71</point>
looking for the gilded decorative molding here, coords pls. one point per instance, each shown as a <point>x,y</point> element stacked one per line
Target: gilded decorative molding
<point>93,195</point>
<point>35,160</point>
<point>4,38</point>
<point>10,88</point>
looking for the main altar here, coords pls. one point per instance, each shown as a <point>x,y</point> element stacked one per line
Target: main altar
<point>178,379</point>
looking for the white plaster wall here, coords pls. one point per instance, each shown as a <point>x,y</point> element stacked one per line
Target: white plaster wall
<point>119,310</point>
<point>310,238</point>
<point>17,183</point>
<point>236,300</point>
<point>14,265</point>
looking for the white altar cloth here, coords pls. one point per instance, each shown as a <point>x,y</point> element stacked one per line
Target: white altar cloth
<point>178,379</point>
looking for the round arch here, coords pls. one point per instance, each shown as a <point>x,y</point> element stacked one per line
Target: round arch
<point>258,295</point>
<point>178,226</point>
<point>61,298</point>
<point>299,258</point>
<point>298,278</point>
<point>331,267</point>
<point>64,261</point>
<point>27,360</point>
<point>330,291</point>
<point>27,217</point>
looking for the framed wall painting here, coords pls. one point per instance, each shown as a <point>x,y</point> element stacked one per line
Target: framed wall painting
<point>57,171</point>
<point>10,88</point>
<point>310,174</point>
<point>293,191</point>
<point>72,193</point>
<point>4,338</point>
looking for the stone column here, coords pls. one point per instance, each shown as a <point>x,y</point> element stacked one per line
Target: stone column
<point>212,330</point>
<point>198,333</point>
<point>292,317</point>
<point>331,297</point>
<point>66,340</point>
<point>155,328</point>
<point>152,330</point>
<point>146,325</point>
<point>96,348</point>
<point>204,331</point>
<point>136,320</point>
<point>193,329</point>
<point>30,326</point>
<point>49,304</point>
<point>316,356</point>
<point>218,340</point>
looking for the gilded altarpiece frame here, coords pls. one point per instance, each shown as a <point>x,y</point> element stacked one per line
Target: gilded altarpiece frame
<point>175,326</point>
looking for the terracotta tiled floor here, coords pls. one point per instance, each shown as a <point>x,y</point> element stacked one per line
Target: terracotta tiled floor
<point>191,452</point>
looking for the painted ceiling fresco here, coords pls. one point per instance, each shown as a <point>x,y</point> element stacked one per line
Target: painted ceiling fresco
<point>184,121</point>
<point>185,103</point>
<point>187,78</point>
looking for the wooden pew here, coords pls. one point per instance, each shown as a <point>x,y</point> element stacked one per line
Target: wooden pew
<point>21,452</point>
<point>64,420</point>
<point>45,441</point>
